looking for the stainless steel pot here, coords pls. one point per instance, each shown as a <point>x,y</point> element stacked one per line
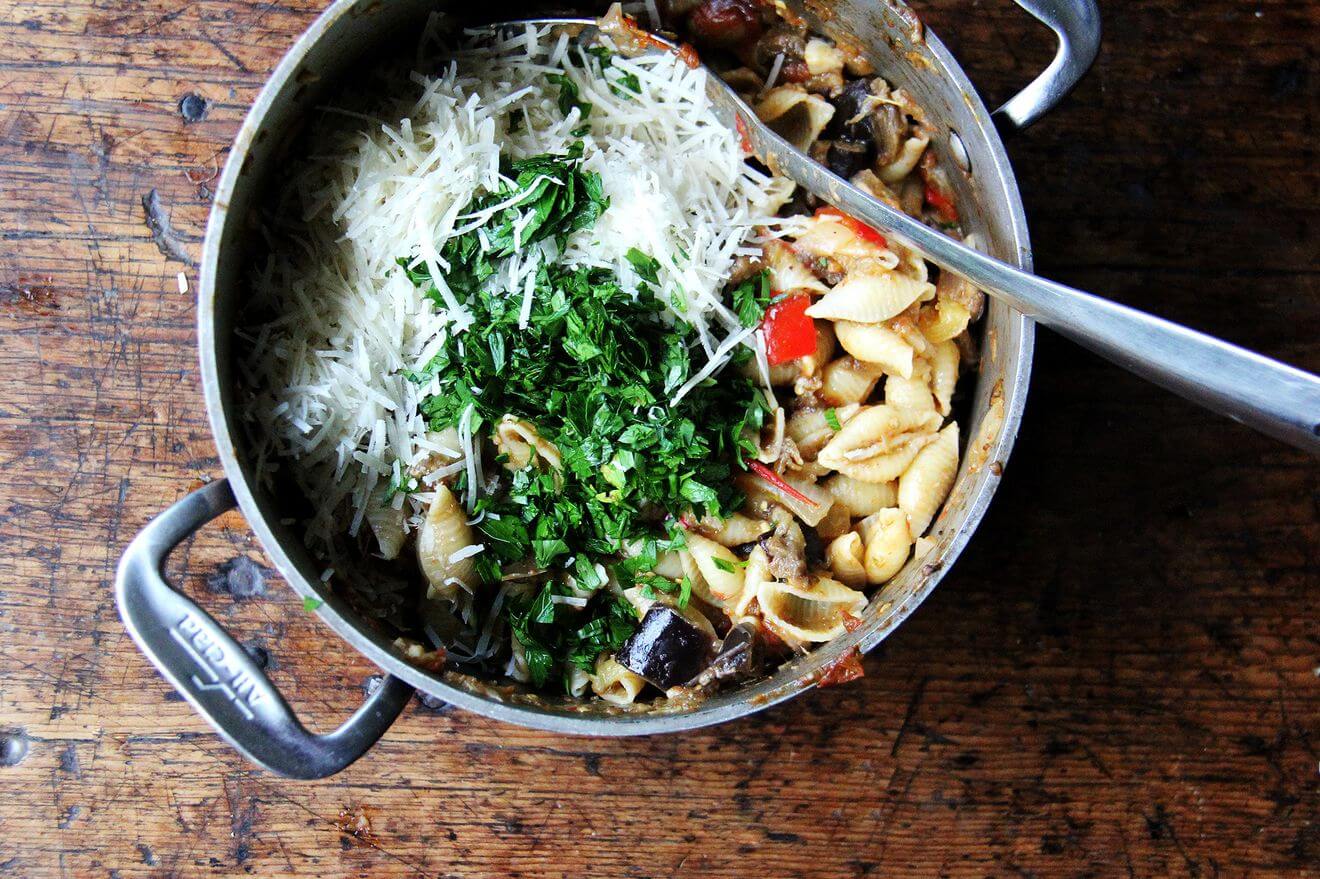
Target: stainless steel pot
<point>214,672</point>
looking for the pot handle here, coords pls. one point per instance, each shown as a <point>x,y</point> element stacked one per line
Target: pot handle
<point>1077,25</point>
<point>215,673</point>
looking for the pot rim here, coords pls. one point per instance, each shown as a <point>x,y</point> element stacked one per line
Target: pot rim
<point>790,679</point>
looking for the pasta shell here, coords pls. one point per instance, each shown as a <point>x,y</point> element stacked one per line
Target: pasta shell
<point>908,156</point>
<point>809,614</point>
<point>943,322</point>
<point>888,543</point>
<point>870,296</point>
<point>809,430</point>
<point>518,669</point>
<point>721,571</point>
<point>787,272</point>
<point>578,680</point>
<point>849,380</point>
<point>637,597</point>
<point>828,236</point>
<point>824,353</point>
<point>959,291</point>
<point>879,443</point>
<point>780,373</point>
<point>836,522</point>
<point>914,266</point>
<point>867,181</point>
<point>845,556</point>
<point>756,573</point>
<point>443,533</point>
<point>795,115</point>
<point>926,482</point>
<point>614,683</point>
<point>876,344</point>
<point>921,547</point>
<point>670,566</point>
<point>810,511</point>
<point>860,498</point>
<point>387,525</point>
<point>447,440</point>
<point>524,446</point>
<point>913,393</point>
<point>735,530</point>
<point>944,375</point>
<point>821,58</point>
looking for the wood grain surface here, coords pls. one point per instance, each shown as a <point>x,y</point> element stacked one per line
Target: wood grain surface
<point>1120,678</point>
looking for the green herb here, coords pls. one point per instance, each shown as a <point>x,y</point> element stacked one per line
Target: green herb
<point>751,298</point>
<point>310,603</point>
<point>560,200</point>
<point>559,636</point>
<point>727,566</point>
<point>594,369</point>
<point>623,83</point>
<point>832,419</point>
<point>569,96</point>
<point>398,484</point>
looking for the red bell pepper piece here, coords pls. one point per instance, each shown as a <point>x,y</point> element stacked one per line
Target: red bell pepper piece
<point>789,332</point>
<point>942,203</point>
<point>778,482</point>
<point>857,227</point>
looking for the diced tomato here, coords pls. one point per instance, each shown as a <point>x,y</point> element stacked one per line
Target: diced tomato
<point>789,332</point>
<point>847,667</point>
<point>743,137</point>
<point>778,482</point>
<point>857,227</point>
<point>942,203</point>
<point>688,55</point>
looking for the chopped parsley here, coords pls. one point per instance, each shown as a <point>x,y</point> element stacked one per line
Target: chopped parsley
<point>593,370</point>
<point>622,83</point>
<point>832,419</point>
<point>569,95</point>
<point>555,636</point>
<point>751,298</point>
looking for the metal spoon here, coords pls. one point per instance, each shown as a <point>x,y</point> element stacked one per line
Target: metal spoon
<point>1271,397</point>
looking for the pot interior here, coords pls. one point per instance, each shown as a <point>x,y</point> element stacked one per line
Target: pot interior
<point>355,34</point>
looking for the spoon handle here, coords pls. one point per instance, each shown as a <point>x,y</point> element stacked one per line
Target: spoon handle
<point>1272,397</point>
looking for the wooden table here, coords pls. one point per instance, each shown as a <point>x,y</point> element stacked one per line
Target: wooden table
<point>1121,677</point>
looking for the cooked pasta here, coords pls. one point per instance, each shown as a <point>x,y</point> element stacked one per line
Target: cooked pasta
<point>623,399</point>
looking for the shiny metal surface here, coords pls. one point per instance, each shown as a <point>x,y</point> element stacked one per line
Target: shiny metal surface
<point>216,674</point>
<point>1274,398</point>
<point>1076,23</point>
<point>352,32</point>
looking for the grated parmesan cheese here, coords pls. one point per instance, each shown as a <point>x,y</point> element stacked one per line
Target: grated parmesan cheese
<point>342,324</point>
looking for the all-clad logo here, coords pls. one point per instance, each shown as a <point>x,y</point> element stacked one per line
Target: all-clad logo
<point>222,673</point>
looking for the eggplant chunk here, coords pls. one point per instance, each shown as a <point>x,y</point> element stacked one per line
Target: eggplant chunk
<point>847,157</point>
<point>739,657</point>
<point>851,107</point>
<point>667,650</point>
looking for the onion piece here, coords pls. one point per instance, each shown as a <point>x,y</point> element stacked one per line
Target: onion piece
<point>806,500</point>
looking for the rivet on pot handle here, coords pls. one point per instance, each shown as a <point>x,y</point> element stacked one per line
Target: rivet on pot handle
<point>1077,25</point>
<point>215,673</point>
